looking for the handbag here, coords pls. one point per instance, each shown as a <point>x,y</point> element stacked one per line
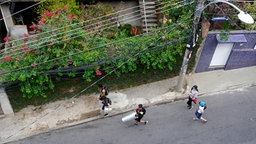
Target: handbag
<point>195,100</point>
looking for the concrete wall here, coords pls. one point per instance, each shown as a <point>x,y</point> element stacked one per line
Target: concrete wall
<point>131,16</point>
<point>242,54</point>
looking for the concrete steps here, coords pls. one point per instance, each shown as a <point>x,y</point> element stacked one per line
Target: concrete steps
<point>148,14</point>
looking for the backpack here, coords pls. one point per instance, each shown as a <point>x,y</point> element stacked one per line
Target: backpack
<point>109,101</point>
<point>106,90</point>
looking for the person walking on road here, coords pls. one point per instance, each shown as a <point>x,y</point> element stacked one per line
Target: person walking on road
<point>199,112</point>
<point>140,112</point>
<point>192,96</point>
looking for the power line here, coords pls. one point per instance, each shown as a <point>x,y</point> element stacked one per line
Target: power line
<point>23,10</point>
<point>95,19</point>
<point>132,55</point>
<point>5,2</point>
<point>25,67</point>
<point>50,40</point>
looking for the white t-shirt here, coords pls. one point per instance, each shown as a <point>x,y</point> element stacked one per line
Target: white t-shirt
<point>193,94</point>
<point>200,110</point>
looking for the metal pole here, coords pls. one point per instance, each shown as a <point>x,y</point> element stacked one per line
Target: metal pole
<point>190,45</point>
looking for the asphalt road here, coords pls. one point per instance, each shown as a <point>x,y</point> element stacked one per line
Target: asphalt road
<point>231,120</point>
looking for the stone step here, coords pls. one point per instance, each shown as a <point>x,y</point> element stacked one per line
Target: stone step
<point>148,11</point>
<point>149,16</point>
<point>150,25</point>
<point>147,3</point>
<point>147,7</point>
<point>149,20</point>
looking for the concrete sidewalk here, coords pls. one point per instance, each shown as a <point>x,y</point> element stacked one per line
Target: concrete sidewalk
<point>64,113</point>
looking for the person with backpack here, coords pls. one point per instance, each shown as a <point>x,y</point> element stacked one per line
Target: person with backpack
<point>192,97</point>
<point>103,97</point>
<point>140,112</point>
<point>199,112</point>
<point>106,105</point>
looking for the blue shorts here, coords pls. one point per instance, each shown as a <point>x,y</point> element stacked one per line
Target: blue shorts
<point>198,115</point>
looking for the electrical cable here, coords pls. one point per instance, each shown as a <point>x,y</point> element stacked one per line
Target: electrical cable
<point>93,19</point>
<point>67,39</point>
<point>135,54</point>
<point>22,10</point>
<point>72,54</point>
<point>5,2</point>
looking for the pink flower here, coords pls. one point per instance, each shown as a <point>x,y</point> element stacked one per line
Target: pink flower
<point>6,39</point>
<point>32,27</point>
<point>65,8</point>
<point>33,65</point>
<point>24,46</point>
<point>70,16</point>
<point>57,11</point>
<point>70,62</point>
<point>59,21</point>
<point>68,41</point>
<point>48,13</point>
<point>7,58</point>
<point>50,44</point>
<point>98,72</point>
<point>42,21</point>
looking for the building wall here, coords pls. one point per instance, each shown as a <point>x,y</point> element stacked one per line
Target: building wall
<point>131,16</point>
<point>242,54</point>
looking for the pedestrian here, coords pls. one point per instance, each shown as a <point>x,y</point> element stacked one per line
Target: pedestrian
<point>103,94</point>
<point>192,97</point>
<point>140,112</point>
<point>103,91</point>
<point>106,105</point>
<point>199,112</point>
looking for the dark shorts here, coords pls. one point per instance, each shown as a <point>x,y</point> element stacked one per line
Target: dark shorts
<point>198,115</point>
<point>139,118</point>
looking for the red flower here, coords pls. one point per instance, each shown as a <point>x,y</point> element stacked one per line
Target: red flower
<point>70,16</point>
<point>24,46</point>
<point>6,39</point>
<point>65,8</point>
<point>98,72</point>
<point>42,21</point>
<point>68,41</point>
<point>33,65</point>
<point>48,13</point>
<point>57,11</point>
<point>7,58</point>
<point>32,27</point>
<point>59,21</point>
<point>70,62</point>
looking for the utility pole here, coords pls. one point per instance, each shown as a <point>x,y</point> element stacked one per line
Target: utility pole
<point>191,44</point>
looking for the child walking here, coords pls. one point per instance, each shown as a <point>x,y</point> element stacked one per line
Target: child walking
<point>140,112</point>
<point>199,112</point>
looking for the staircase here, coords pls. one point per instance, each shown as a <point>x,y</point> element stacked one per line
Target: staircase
<point>148,14</point>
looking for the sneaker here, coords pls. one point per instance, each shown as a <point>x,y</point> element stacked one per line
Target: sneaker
<point>146,122</point>
<point>106,114</point>
<point>190,107</point>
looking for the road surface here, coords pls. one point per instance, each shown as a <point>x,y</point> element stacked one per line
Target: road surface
<point>231,120</point>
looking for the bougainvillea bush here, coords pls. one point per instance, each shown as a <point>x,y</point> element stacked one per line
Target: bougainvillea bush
<point>66,44</point>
